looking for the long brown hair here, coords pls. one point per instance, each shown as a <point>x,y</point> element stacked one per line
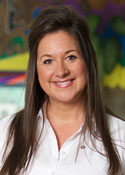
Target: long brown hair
<point>23,129</point>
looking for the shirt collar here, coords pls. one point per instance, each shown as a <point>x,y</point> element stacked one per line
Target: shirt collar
<point>40,114</point>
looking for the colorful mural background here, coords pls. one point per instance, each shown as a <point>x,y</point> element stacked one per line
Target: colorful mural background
<point>11,100</point>
<point>105,18</point>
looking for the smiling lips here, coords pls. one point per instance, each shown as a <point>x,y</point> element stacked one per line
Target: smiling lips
<point>64,84</point>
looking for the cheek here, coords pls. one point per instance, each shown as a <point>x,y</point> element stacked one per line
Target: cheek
<point>79,69</point>
<point>82,72</point>
<point>44,74</point>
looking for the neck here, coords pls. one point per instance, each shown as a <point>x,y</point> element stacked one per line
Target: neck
<point>65,112</point>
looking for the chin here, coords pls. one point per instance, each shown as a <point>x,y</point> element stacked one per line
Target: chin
<point>66,100</point>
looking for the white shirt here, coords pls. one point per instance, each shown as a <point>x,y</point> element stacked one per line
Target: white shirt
<point>50,161</point>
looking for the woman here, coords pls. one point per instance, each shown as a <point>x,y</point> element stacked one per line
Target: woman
<point>64,128</point>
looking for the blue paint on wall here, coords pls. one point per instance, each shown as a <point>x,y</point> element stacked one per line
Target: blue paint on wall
<point>36,12</point>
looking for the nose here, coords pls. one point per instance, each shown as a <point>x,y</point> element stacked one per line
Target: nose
<point>62,70</point>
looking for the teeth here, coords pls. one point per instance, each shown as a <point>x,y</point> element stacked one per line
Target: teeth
<point>63,83</point>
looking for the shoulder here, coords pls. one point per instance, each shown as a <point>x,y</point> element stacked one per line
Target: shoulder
<point>4,128</point>
<point>4,124</point>
<point>117,131</point>
<point>116,124</point>
<point>117,128</point>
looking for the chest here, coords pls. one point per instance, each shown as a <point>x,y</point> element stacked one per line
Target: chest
<point>63,133</point>
<point>65,163</point>
<point>74,158</point>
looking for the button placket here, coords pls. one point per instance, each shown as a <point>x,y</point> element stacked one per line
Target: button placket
<point>53,148</point>
<point>53,172</point>
<point>62,153</point>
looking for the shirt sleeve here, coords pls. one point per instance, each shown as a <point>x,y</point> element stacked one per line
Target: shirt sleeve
<point>4,126</point>
<point>117,128</point>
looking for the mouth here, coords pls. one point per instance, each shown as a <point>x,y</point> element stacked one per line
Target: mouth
<point>65,83</point>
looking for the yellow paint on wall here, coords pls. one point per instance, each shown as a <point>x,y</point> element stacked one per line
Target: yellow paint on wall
<point>116,78</point>
<point>19,63</point>
<point>15,63</point>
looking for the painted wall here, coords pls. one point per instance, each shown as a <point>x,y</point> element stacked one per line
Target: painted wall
<point>106,20</point>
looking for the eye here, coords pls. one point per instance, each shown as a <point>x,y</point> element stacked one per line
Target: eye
<point>71,57</point>
<point>48,61</point>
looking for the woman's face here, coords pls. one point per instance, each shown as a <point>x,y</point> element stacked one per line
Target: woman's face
<point>60,67</point>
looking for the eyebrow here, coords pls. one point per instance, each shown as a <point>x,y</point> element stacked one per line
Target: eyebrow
<point>71,51</point>
<point>68,51</point>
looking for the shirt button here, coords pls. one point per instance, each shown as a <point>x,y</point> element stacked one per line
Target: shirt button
<point>82,147</point>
